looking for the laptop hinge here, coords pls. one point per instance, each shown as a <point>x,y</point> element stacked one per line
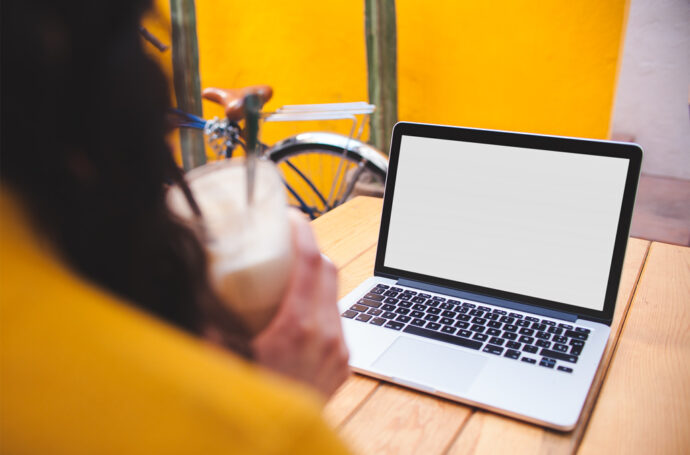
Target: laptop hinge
<point>489,300</point>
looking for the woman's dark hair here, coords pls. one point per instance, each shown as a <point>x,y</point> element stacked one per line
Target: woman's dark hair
<point>84,147</point>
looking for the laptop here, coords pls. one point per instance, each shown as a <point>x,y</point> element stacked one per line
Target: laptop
<point>497,268</point>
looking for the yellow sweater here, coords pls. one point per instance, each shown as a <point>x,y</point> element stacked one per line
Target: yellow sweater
<point>81,372</point>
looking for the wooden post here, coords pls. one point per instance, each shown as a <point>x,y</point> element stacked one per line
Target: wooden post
<point>381,39</point>
<point>186,78</point>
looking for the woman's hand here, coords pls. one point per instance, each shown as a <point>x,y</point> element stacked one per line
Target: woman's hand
<point>305,341</point>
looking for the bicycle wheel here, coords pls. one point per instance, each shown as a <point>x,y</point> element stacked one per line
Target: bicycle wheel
<point>323,170</point>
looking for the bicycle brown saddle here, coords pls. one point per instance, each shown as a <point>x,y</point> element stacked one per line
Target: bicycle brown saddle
<point>232,100</point>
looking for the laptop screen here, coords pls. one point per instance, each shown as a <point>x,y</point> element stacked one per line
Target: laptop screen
<point>539,223</point>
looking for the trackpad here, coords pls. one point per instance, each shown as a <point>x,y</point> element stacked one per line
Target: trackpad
<point>430,365</point>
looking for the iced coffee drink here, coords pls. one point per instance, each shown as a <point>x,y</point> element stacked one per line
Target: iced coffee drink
<point>249,245</point>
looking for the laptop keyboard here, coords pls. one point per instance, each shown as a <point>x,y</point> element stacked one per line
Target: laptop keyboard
<point>493,330</point>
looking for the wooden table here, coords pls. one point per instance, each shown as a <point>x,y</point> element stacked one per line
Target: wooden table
<point>640,402</point>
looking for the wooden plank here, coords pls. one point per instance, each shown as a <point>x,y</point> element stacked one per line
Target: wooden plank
<point>346,232</point>
<point>401,421</point>
<point>491,433</point>
<point>645,403</point>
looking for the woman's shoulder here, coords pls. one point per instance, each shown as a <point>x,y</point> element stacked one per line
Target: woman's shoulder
<point>83,371</point>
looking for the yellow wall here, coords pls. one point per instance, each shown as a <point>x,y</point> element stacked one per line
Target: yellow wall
<point>546,67</point>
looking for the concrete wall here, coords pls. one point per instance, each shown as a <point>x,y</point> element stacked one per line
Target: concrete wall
<point>547,67</point>
<point>654,80</point>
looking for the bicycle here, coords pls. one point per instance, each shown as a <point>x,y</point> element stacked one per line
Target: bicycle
<point>320,170</point>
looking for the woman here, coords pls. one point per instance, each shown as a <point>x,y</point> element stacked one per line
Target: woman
<point>103,294</point>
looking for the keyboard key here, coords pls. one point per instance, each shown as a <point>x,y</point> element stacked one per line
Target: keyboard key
<point>405,297</point>
<point>574,342</point>
<point>543,336</point>
<point>459,341</point>
<point>493,332</point>
<point>493,349</point>
<point>448,329</point>
<point>538,326</point>
<point>447,321</point>
<point>454,302</point>
<point>394,325</point>
<point>463,317</point>
<point>419,299</point>
<point>531,319</point>
<point>403,318</point>
<point>433,303</point>
<point>402,310</point>
<point>377,321</point>
<point>390,294</point>
<point>440,299</point>
<point>382,286</point>
<point>433,310</point>
<point>433,325</point>
<point>547,322</point>
<point>464,333</point>
<point>555,330</point>
<point>528,360</point>
<point>576,334</point>
<point>522,323</point>
<point>560,347</point>
<point>388,307</point>
<point>349,314</point>
<point>405,304</point>
<point>526,331</point>
<point>426,296</point>
<point>565,326</point>
<point>389,315</point>
<point>494,324</point>
<point>507,319</point>
<point>565,369</point>
<point>369,303</point>
<point>515,315</point>
<point>479,337</point>
<point>416,314</point>
<point>449,314</point>
<point>363,317</point>
<point>469,305</point>
<point>513,345</point>
<point>492,316</point>
<point>526,339</point>
<point>500,312</point>
<point>530,349</point>
<point>497,341</point>
<point>358,307</point>
<point>462,310</point>
<point>477,328</point>
<point>512,354</point>
<point>559,355</point>
<point>582,330</point>
<point>476,313</point>
<point>431,317</point>
<point>447,306</point>
<point>407,291</point>
<point>419,307</point>
<point>543,343</point>
<point>510,328</point>
<point>557,339</point>
<point>478,320</point>
<point>372,296</point>
<point>548,363</point>
<point>374,312</point>
<point>462,324</point>
<point>418,322</point>
<point>576,350</point>
<point>509,336</point>
<point>484,308</point>
<point>396,289</point>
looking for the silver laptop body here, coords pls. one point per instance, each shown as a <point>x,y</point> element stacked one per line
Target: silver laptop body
<point>497,268</point>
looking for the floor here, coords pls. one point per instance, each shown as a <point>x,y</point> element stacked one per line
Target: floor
<point>662,210</point>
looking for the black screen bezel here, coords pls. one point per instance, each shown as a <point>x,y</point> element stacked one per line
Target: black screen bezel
<point>631,152</point>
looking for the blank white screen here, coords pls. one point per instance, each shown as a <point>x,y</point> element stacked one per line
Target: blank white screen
<point>533,222</point>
